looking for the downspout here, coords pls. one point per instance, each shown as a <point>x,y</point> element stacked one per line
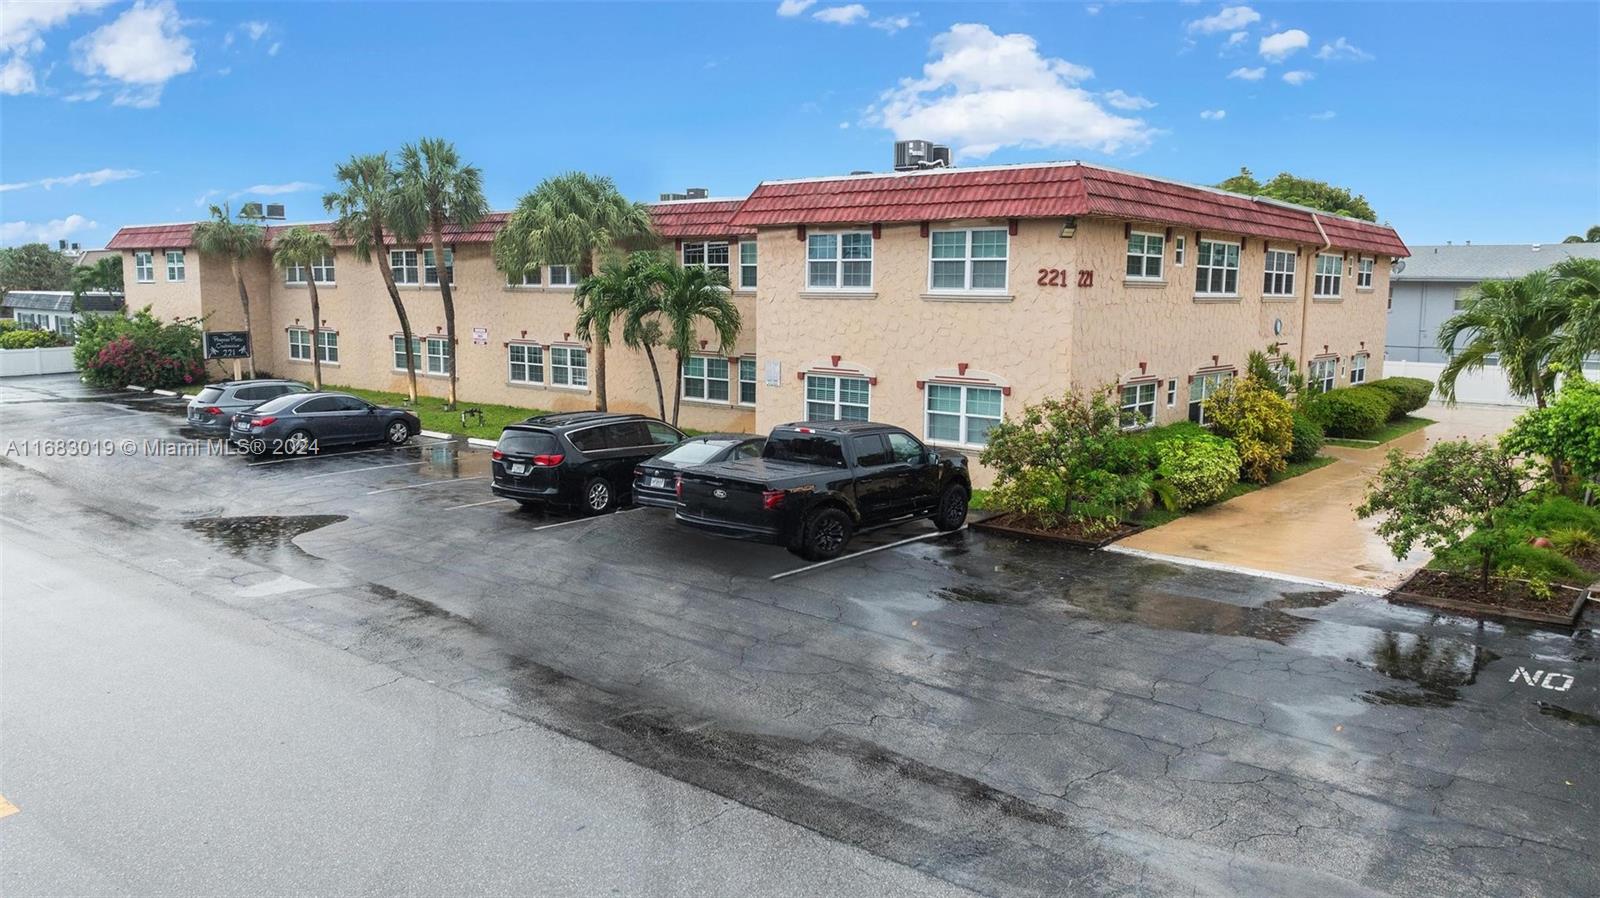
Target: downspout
<point>1305,296</point>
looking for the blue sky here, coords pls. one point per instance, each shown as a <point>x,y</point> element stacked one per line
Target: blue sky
<point>1469,121</point>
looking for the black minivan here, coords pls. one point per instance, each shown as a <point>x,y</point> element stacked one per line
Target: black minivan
<point>583,460</point>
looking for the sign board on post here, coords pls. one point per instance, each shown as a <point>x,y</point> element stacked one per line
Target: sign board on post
<point>227,344</point>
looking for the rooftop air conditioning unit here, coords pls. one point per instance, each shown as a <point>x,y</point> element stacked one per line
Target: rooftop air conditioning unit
<point>697,193</point>
<point>275,211</point>
<point>914,155</point>
<point>669,197</point>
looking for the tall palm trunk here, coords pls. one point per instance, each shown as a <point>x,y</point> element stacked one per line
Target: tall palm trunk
<point>449,303</point>
<point>586,268</point>
<point>661,398</point>
<point>677,395</point>
<point>316,336</point>
<point>244,303</point>
<point>399,309</point>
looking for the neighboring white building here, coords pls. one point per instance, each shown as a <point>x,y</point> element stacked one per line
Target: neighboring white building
<point>53,310</point>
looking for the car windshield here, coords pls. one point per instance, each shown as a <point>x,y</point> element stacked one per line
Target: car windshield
<point>527,442</point>
<point>694,452</point>
<point>279,404</point>
<point>809,448</point>
<point>209,394</point>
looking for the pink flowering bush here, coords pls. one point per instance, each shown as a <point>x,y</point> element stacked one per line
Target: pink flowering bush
<point>113,352</point>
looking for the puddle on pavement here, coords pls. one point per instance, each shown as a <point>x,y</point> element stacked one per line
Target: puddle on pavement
<point>1438,668</point>
<point>1577,718</point>
<point>260,534</point>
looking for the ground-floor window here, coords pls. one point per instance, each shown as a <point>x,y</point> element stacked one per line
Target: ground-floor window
<point>705,377</point>
<point>1201,386</point>
<point>1138,404</point>
<point>1321,374</point>
<point>527,363</point>
<point>400,351</point>
<point>569,366</point>
<point>747,379</point>
<point>830,398</point>
<point>958,413</point>
<point>327,345</point>
<point>438,355</point>
<point>1358,369</point>
<point>299,345</point>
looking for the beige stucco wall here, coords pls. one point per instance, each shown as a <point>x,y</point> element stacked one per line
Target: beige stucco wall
<point>167,300</point>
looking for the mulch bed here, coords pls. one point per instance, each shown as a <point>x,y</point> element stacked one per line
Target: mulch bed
<point>1504,600</point>
<point>1011,526</point>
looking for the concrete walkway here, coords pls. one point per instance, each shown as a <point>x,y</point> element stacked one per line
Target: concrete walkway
<point>1307,527</point>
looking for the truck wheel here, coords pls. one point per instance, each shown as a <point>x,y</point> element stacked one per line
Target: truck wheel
<point>598,497</point>
<point>827,530</point>
<point>951,512</point>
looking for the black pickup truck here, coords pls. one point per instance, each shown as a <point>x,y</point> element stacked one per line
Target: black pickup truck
<point>817,482</point>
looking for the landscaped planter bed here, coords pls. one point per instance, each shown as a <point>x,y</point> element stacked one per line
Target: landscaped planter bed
<point>1006,523</point>
<point>1506,599</point>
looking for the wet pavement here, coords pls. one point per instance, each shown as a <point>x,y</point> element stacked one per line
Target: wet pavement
<point>1010,717</point>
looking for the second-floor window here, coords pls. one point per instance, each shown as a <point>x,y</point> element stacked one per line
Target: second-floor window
<point>1364,266</point>
<point>144,267</point>
<point>705,377</point>
<point>563,276</point>
<point>430,274</point>
<point>1179,250</point>
<point>967,260</point>
<point>1279,278</point>
<point>174,264</point>
<point>403,264</point>
<point>322,271</point>
<point>1145,255</point>
<point>747,264</point>
<point>711,255</point>
<point>1330,275</point>
<point>1216,268</point>
<point>839,261</point>
<point>529,278</point>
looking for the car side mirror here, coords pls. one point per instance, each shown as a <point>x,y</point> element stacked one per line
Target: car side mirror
<point>929,456</point>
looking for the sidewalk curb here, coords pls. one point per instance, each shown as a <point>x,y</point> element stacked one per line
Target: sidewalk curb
<point>1252,572</point>
<point>481,443</point>
<point>165,392</point>
<point>437,434</point>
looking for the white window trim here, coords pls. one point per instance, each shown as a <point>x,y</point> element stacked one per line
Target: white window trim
<point>182,266</point>
<point>1238,269</point>
<point>1155,402</point>
<point>1180,250</point>
<point>550,380</point>
<point>1224,375</point>
<point>522,285</point>
<point>138,270</point>
<point>705,246</point>
<point>418,267</point>
<point>742,265</point>
<point>838,263</point>
<point>419,355</point>
<point>1145,279</point>
<point>1293,274</point>
<point>428,355</point>
<point>966,261</point>
<point>423,266</point>
<point>805,400</point>
<point>1363,358</point>
<point>320,283</point>
<point>1314,383</point>
<point>963,442</point>
<point>1317,277</point>
<point>730,379</point>
<point>571,272</point>
<point>1371,274</point>
<point>738,380</point>
<point>543,362</point>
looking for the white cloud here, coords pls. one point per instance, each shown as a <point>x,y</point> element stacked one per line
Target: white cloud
<point>893,24</point>
<point>1230,18</point>
<point>1278,47</point>
<point>256,29</point>
<point>204,199</point>
<point>1323,116</point>
<point>22,25</point>
<point>275,189</point>
<point>91,178</point>
<point>1123,100</point>
<point>1093,9</point>
<point>1342,49</point>
<point>143,48</point>
<point>15,232</point>
<point>983,91</point>
<point>1213,115</point>
<point>1237,38</point>
<point>16,77</point>
<point>1248,74</point>
<point>844,126</point>
<point>1298,77</point>
<point>790,8</point>
<point>841,15</point>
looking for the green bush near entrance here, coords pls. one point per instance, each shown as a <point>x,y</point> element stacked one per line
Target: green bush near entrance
<point>1408,393</point>
<point>1355,412</point>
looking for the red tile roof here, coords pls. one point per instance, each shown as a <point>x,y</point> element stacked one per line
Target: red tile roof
<point>172,236</point>
<point>697,218</point>
<point>1048,191</point>
<point>181,236</point>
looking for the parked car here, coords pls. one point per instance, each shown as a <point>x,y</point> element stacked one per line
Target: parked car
<point>583,460</point>
<point>655,480</point>
<point>213,408</point>
<point>817,482</point>
<point>300,423</point>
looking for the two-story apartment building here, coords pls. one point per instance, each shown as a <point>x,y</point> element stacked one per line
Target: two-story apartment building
<point>939,300</point>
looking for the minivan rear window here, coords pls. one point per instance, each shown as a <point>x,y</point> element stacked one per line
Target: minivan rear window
<point>527,442</point>
<point>809,448</point>
<point>209,394</point>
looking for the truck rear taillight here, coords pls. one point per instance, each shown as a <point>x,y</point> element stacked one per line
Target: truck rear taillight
<point>548,461</point>
<point>771,499</point>
<point>262,422</point>
<point>677,485</point>
<point>497,455</point>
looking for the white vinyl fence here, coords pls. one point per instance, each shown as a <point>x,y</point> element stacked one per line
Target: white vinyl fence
<point>51,360</point>
<point>1486,386</point>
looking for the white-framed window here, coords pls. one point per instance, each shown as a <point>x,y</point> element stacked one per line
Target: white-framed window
<point>1279,277</point>
<point>709,254</point>
<point>747,380</point>
<point>1320,374</point>
<point>144,267</point>
<point>174,264</point>
<point>403,264</point>
<point>430,275</point>
<point>299,344</point>
<point>400,351</point>
<point>1280,372</point>
<point>747,264</point>
<point>839,261</point>
<point>1145,254</point>
<point>322,270</point>
<point>1201,386</point>
<point>1358,368</point>
<point>1463,297</point>
<point>526,361</point>
<point>569,366</point>
<point>438,355</point>
<point>1216,268</point>
<point>563,276</point>
<point>961,413</point>
<point>1138,404</point>
<point>1364,267</point>
<point>530,278</point>
<point>705,377</point>
<point>1172,393</point>
<point>1180,246</point>
<point>328,346</point>
<point>1330,276</point>
<point>830,398</point>
<point>968,259</point>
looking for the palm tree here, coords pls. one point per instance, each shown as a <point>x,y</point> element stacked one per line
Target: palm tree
<point>104,275</point>
<point>630,288</point>
<point>226,236</point>
<point>435,189</point>
<point>567,219</point>
<point>304,248</point>
<point>688,294</point>
<point>1590,236</point>
<point>1578,282</point>
<point>365,206</point>
<point>1520,321</point>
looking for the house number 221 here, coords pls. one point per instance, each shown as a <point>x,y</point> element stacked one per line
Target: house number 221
<point>1060,277</point>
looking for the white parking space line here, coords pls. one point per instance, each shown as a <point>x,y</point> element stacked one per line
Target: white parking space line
<point>587,519</point>
<point>418,486</point>
<point>279,461</point>
<point>909,539</point>
<point>404,464</point>
<point>476,504</point>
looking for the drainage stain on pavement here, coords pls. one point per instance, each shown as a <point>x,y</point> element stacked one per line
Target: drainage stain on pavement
<point>260,534</point>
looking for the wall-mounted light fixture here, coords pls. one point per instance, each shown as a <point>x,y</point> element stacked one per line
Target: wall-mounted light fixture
<point>1069,226</point>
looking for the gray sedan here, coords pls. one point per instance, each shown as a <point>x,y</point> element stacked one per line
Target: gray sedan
<point>213,408</point>
<point>303,423</point>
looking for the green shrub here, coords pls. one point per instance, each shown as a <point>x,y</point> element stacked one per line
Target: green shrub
<point>1566,434</point>
<point>1260,423</point>
<point>113,351</point>
<point>1195,470</point>
<point>1570,541</point>
<point>1356,412</point>
<point>1307,439</point>
<point>1541,513</point>
<point>29,339</point>
<point>1512,558</point>
<point>1409,394</point>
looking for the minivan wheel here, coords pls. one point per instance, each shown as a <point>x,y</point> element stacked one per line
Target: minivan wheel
<point>952,510</point>
<point>598,496</point>
<point>827,531</point>
<point>297,443</point>
<point>399,432</point>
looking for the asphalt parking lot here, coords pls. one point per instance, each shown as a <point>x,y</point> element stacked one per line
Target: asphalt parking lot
<point>1009,717</point>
